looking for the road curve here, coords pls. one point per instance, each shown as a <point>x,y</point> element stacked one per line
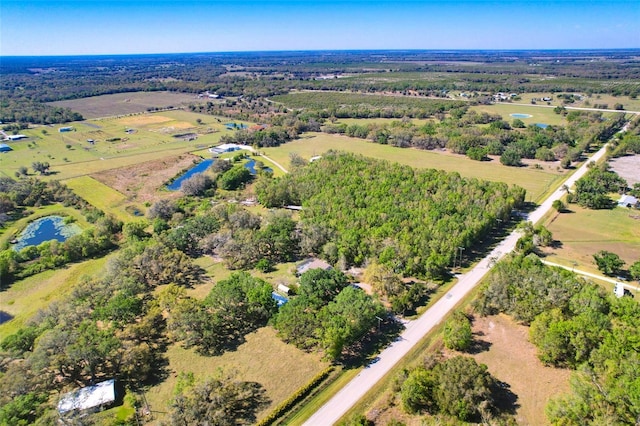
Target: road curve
<point>590,275</point>
<point>415,330</point>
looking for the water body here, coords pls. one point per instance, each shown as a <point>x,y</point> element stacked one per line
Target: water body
<point>251,166</point>
<point>518,115</point>
<point>46,229</point>
<point>542,125</point>
<point>198,168</point>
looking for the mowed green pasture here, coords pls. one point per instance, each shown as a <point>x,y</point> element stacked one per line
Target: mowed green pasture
<point>24,298</point>
<point>126,103</point>
<point>150,137</point>
<point>536,182</point>
<point>100,196</point>
<point>539,114</point>
<point>263,358</point>
<point>586,101</point>
<point>583,232</point>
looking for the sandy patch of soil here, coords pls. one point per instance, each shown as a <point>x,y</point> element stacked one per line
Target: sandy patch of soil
<point>142,120</point>
<point>179,125</point>
<point>627,168</point>
<point>143,182</point>
<point>504,347</point>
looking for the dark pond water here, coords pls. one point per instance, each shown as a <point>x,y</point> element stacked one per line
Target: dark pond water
<point>46,229</point>
<point>198,168</point>
<point>251,166</point>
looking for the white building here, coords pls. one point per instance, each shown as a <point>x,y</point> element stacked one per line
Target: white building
<point>90,397</point>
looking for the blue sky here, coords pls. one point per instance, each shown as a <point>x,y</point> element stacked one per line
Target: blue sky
<point>42,27</point>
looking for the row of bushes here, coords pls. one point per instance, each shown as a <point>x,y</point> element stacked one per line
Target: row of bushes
<point>295,397</point>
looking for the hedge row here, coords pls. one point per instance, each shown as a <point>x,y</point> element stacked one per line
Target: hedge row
<point>284,406</point>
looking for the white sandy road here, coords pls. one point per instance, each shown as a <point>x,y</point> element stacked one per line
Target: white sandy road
<point>415,330</point>
<point>596,276</point>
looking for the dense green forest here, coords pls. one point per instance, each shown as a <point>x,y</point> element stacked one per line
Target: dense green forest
<point>413,221</point>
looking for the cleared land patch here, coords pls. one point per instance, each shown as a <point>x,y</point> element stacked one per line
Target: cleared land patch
<point>535,181</point>
<point>143,120</point>
<point>627,167</point>
<point>583,232</point>
<point>125,103</point>
<point>538,114</point>
<point>263,358</point>
<point>511,358</point>
<point>25,297</point>
<point>101,196</point>
<point>142,182</point>
<point>88,149</point>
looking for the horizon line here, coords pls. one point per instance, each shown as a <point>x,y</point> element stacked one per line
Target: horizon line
<point>599,49</point>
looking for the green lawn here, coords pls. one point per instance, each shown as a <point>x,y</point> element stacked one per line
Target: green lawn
<point>280,368</point>
<point>536,182</point>
<point>25,297</point>
<point>151,137</point>
<point>100,196</point>
<point>583,232</point>
<point>539,114</point>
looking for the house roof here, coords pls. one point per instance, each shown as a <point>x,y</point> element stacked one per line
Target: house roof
<point>625,200</point>
<point>88,397</point>
<point>312,263</point>
<point>16,137</point>
<point>5,147</point>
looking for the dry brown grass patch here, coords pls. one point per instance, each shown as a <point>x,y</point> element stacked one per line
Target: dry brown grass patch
<point>511,358</point>
<point>143,120</point>
<point>141,182</point>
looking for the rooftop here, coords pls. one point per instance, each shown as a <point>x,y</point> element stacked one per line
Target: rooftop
<point>88,397</point>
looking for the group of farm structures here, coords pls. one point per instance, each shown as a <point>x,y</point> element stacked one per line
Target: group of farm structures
<point>168,296</point>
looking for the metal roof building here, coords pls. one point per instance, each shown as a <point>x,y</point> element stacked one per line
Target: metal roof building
<point>89,397</point>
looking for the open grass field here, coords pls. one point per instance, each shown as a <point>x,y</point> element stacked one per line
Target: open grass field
<point>25,297</point>
<point>511,358</point>
<point>144,182</point>
<point>539,114</point>
<point>280,368</point>
<point>126,103</point>
<point>586,101</point>
<point>100,196</point>
<point>536,182</point>
<point>98,145</point>
<point>584,232</point>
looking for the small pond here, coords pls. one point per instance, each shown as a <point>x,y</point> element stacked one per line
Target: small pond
<point>518,115</point>
<point>251,166</point>
<point>542,125</point>
<point>45,229</point>
<point>198,168</point>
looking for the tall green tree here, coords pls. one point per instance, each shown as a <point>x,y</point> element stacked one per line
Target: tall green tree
<point>457,332</point>
<point>608,263</point>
